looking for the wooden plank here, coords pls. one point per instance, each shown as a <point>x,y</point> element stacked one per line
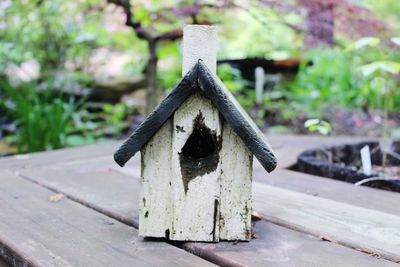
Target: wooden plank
<point>349,225</point>
<point>39,232</point>
<point>360,196</point>
<point>56,156</point>
<point>281,247</point>
<point>236,178</point>
<point>286,147</point>
<point>78,182</point>
<point>4,264</point>
<point>156,193</point>
<point>276,246</point>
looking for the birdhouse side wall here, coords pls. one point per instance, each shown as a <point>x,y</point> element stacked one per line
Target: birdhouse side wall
<point>236,179</point>
<point>155,203</point>
<point>196,176</point>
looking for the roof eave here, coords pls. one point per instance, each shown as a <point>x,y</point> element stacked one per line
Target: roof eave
<point>199,78</point>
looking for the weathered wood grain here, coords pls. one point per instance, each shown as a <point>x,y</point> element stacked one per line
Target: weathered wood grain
<point>156,118</point>
<point>195,199</point>
<point>279,246</point>
<point>349,225</point>
<point>236,116</point>
<point>360,196</point>
<point>36,231</point>
<point>93,186</point>
<point>156,193</point>
<point>57,156</point>
<point>201,80</point>
<point>236,177</point>
<point>199,42</point>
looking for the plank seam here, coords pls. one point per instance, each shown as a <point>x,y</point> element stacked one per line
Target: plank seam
<point>202,253</point>
<point>300,229</point>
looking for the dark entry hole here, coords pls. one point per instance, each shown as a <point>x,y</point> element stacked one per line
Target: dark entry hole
<point>200,154</point>
<point>200,144</point>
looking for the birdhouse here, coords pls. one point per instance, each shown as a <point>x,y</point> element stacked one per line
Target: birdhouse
<point>197,152</point>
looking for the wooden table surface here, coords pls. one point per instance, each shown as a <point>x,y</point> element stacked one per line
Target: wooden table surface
<point>76,207</point>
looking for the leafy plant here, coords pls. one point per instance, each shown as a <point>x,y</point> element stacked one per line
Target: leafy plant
<point>235,83</point>
<point>329,79</point>
<point>380,73</point>
<point>317,125</point>
<point>42,119</point>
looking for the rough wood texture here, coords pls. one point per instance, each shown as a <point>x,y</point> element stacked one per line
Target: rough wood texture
<point>57,156</point>
<point>321,187</point>
<point>156,198</point>
<point>277,246</point>
<point>273,246</point>
<point>36,231</point>
<point>235,115</point>
<point>156,119</point>
<point>200,80</point>
<point>199,42</point>
<point>236,177</point>
<point>195,196</point>
<point>76,179</point>
<point>352,226</point>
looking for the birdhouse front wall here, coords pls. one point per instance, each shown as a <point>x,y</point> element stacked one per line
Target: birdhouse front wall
<point>196,170</point>
<point>196,175</point>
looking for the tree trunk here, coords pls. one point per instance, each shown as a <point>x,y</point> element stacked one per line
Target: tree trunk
<point>151,73</point>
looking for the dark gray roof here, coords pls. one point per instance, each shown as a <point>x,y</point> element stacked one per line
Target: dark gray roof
<point>199,79</point>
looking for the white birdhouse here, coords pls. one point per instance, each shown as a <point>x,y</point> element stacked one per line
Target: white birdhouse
<point>197,151</point>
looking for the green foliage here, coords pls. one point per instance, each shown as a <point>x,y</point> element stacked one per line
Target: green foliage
<point>49,32</point>
<point>172,73</point>
<point>331,79</point>
<point>335,78</point>
<point>115,116</point>
<point>259,31</point>
<point>43,119</point>
<point>363,42</point>
<point>381,74</point>
<point>317,125</point>
<point>101,122</point>
<point>232,79</point>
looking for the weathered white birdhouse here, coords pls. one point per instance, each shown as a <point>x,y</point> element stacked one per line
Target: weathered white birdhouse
<point>197,151</point>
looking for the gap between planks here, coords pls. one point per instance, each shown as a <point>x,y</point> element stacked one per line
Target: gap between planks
<point>204,253</point>
<point>36,242</point>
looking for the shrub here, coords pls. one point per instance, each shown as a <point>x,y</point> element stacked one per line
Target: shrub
<point>43,118</point>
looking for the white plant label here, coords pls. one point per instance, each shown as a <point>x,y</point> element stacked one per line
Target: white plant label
<point>366,160</point>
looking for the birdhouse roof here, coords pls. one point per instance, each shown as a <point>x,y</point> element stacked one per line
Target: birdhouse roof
<point>199,79</point>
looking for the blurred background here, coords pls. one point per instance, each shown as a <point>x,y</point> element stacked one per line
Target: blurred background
<point>86,71</point>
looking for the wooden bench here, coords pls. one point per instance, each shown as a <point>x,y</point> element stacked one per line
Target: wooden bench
<point>76,207</point>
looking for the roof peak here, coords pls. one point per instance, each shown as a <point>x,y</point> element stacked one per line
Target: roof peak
<point>200,79</point>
